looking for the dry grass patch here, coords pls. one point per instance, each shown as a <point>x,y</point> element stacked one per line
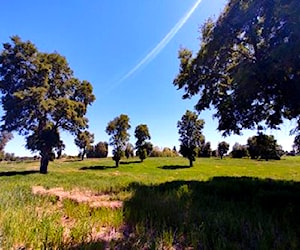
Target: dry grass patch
<point>88,197</point>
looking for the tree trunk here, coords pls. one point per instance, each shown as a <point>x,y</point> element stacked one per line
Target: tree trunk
<point>44,164</point>
<point>191,163</point>
<point>83,153</point>
<point>117,163</point>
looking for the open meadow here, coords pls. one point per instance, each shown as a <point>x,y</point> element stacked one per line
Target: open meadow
<point>157,204</point>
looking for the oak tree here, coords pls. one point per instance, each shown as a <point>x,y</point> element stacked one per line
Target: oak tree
<point>247,66</point>
<point>40,96</point>
<point>263,146</point>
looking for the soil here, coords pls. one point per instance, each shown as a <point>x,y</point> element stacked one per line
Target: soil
<point>88,197</point>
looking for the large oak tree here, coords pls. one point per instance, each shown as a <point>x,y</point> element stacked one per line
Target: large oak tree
<point>40,97</point>
<point>248,65</point>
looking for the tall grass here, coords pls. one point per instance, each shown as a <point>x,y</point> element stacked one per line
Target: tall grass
<point>217,204</point>
<point>223,213</point>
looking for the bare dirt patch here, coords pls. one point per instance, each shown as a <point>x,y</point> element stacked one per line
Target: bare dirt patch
<point>88,197</point>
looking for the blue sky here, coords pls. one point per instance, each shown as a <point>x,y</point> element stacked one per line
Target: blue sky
<point>123,49</point>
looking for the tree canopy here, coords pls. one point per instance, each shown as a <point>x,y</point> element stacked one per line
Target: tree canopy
<point>118,130</point>
<point>264,146</point>
<point>5,137</point>
<point>40,96</point>
<point>83,140</point>
<point>100,150</point>
<point>248,65</point>
<point>190,135</point>
<point>129,150</point>
<point>142,134</point>
<point>296,144</point>
<point>223,148</point>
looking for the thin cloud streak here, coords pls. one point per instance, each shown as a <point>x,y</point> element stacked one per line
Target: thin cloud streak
<point>161,45</point>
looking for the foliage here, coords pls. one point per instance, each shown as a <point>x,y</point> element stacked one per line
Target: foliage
<point>143,147</point>
<point>5,137</point>
<point>100,150</point>
<point>247,66</point>
<point>205,150</point>
<point>264,146</point>
<point>84,140</point>
<point>239,151</point>
<point>129,150</point>
<point>174,150</point>
<point>165,152</point>
<point>214,153</point>
<point>223,148</point>
<point>296,144</point>
<point>191,138</point>
<point>40,96</point>
<point>149,147</point>
<point>117,129</point>
<point>59,148</point>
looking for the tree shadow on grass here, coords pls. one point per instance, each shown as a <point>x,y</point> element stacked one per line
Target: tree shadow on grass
<point>129,162</point>
<point>13,173</point>
<point>173,167</point>
<point>97,167</point>
<point>72,160</point>
<point>222,213</point>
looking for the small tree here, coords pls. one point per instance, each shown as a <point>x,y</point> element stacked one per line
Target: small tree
<point>142,134</point>
<point>60,147</point>
<point>205,150</point>
<point>223,148</point>
<point>214,153</point>
<point>148,147</point>
<point>100,150</point>
<point>239,151</point>
<point>296,145</point>
<point>129,150</point>
<point>263,146</point>
<point>83,140</point>
<point>191,137</point>
<point>5,137</point>
<point>117,129</point>
<point>174,150</point>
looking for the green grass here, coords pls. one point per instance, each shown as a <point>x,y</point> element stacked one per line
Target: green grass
<point>217,204</point>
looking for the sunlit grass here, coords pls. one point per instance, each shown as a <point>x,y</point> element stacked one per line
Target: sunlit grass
<point>155,214</point>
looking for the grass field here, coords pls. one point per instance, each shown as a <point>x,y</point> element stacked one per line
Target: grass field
<point>157,204</point>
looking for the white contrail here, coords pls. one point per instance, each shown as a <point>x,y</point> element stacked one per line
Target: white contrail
<point>161,45</point>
